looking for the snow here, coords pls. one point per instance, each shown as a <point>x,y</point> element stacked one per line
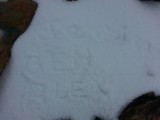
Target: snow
<point>81,59</point>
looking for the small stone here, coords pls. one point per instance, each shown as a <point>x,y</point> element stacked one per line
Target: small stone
<point>71,0</point>
<point>98,118</point>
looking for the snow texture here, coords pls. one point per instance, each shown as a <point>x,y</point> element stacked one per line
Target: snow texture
<point>80,59</point>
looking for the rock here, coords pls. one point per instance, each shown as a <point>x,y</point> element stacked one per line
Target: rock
<point>15,17</point>
<point>98,118</point>
<point>145,107</point>
<point>71,0</point>
<point>150,0</point>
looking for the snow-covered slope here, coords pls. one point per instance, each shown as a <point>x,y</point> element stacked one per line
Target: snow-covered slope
<point>80,59</point>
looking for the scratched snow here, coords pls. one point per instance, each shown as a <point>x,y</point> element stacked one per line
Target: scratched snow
<point>82,58</point>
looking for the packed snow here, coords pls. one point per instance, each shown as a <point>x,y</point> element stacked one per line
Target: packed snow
<point>80,59</point>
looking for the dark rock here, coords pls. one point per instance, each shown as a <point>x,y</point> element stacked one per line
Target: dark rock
<point>15,17</point>
<point>150,0</point>
<point>71,0</point>
<point>98,118</point>
<point>145,107</point>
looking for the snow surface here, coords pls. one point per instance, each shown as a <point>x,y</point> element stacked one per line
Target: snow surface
<point>80,59</point>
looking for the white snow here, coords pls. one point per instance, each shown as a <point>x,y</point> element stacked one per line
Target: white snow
<point>84,58</point>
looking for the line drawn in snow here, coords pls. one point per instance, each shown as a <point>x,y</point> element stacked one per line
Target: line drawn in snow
<point>74,77</point>
<point>112,33</point>
<point>121,34</point>
<point>82,61</point>
<point>32,69</point>
<point>62,90</point>
<point>34,98</point>
<point>152,48</point>
<point>102,82</point>
<point>32,72</point>
<point>124,34</point>
<point>78,89</point>
<point>54,33</point>
<point>32,106</point>
<point>150,73</point>
<point>61,62</point>
<point>58,59</point>
<point>76,31</point>
<point>36,89</point>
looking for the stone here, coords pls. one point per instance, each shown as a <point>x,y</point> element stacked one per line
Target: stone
<point>98,118</point>
<point>71,0</point>
<point>150,0</point>
<point>15,17</point>
<point>145,107</point>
